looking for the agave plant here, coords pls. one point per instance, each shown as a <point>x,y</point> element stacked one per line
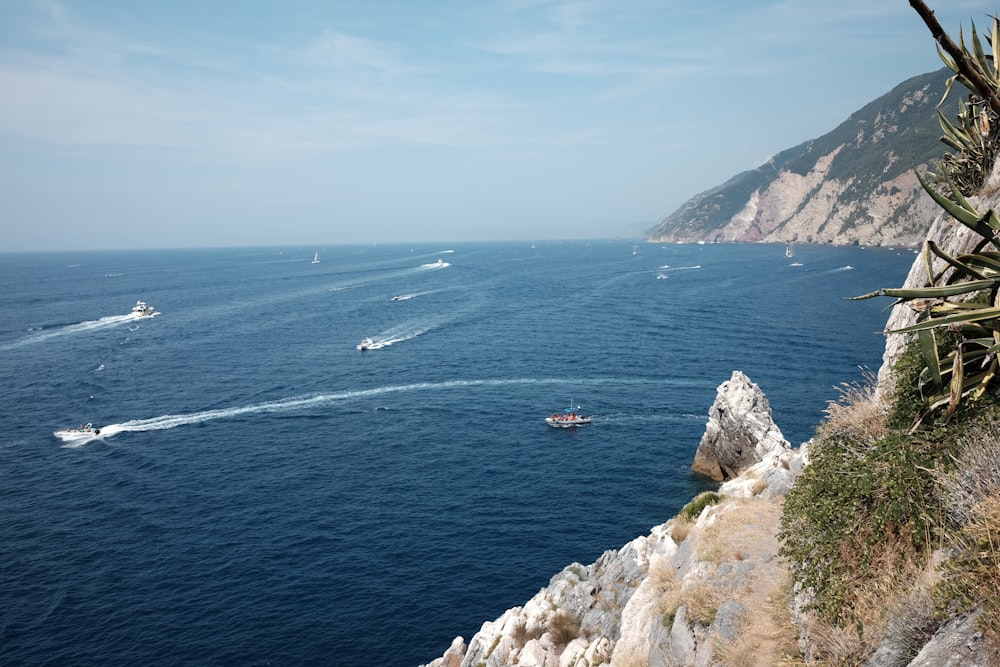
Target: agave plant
<point>973,134</point>
<point>964,296</point>
<point>948,302</point>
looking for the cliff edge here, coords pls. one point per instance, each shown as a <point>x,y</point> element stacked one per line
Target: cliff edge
<point>700,587</point>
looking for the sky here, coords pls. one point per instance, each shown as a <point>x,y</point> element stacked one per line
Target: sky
<point>206,123</point>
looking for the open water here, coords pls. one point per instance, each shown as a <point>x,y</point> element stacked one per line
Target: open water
<point>263,493</point>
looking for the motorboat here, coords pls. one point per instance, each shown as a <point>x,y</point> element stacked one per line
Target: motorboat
<point>567,419</point>
<point>397,298</point>
<point>82,432</point>
<point>366,344</point>
<point>142,309</point>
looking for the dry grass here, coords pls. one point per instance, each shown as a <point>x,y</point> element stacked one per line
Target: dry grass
<point>972,494</point>
<point>881,593</point>
<point>680,528</point>
<point>563,628</point>
<point>768,637</point>
<point>977,473</point>
<point>702,601</point>
<point>630,657</point>
<point>742,526</point>
<point>973,576</point>
<point>858,414</point>
<point>661,574</point>
<point>912,623</point>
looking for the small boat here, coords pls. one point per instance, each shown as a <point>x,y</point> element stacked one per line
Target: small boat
<point>568,418</point>
<point>366,344</point>
<point>141,309</point>
<point>788,251</point>
<point>397,298</point>
<point>316,258</point>
<point>82,432</point>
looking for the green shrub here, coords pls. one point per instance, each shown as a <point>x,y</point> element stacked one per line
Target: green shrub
<point>693,509</point>
<point>857,513</point>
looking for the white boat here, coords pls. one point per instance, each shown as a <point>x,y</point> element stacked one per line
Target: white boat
<point>567,418</point>
<point>366,344</point>
<point>316,258</point>
<point>141,309</point>
<point>788,251</point>
<point>80,433</point>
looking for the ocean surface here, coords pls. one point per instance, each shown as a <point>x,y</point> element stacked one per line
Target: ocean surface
<point>264,493</point>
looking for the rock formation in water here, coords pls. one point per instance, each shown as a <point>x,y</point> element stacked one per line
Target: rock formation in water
<point>707,589</point>
<point>677,596</point>
<point>740,431</point>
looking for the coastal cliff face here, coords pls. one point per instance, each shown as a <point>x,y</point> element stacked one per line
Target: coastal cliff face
<point>700,589</point>
<point>854,185</point>
<point>706,587</point>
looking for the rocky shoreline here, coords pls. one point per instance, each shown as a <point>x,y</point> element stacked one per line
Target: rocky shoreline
<point>650,601</point>
<point>706,587</point>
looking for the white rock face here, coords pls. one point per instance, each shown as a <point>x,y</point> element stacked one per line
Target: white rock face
<point>740,431</point>
<point>644,604</point>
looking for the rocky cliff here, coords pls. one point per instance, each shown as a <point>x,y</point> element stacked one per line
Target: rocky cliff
<point>854,185</point>
<point>697,590</point>
<point>706,587</point>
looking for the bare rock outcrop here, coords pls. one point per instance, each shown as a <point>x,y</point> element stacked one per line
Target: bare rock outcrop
<point>689,593</point>
<point>740,431</point>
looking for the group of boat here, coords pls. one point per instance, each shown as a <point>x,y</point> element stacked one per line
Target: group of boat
<point>88,431</point>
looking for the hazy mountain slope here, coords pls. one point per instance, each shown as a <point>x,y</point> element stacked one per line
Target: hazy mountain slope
<point>855,184</point>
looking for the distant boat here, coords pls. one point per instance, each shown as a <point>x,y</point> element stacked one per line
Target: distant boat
<point>788,251</point>
<point>142,309</point>
<point>316,258</point>
<point>366,344</point>
<point>568,418</point>
<point>80,434</point>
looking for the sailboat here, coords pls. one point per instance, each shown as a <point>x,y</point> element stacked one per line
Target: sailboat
<point>316,258</point>
<point>788,251</point>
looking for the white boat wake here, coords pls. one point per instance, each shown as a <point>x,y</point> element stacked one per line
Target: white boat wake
<point>108,322</point>
<point>397,334</point>
<point>440,264</point>
<point>667,267</point>
<point>307,403</point>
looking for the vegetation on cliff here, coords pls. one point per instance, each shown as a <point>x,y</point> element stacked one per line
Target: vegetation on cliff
<point>894,526</point>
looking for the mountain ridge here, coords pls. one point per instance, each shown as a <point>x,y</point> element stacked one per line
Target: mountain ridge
<point>856,184</point>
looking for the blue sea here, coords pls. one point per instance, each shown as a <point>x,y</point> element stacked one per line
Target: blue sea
<point>264,493</point>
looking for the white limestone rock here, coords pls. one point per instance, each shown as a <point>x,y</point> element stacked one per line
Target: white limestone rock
<point>740,431</point>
